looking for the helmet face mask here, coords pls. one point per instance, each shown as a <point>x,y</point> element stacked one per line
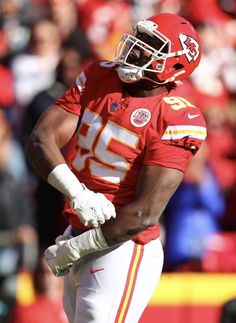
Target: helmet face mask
<point>135,52</point>
<point>165,45</point>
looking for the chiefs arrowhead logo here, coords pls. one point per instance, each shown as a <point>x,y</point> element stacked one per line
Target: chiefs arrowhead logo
<point>192,45</point>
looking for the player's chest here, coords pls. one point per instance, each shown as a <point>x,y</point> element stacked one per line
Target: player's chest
<point>134,114</point>
<point>115,128</point>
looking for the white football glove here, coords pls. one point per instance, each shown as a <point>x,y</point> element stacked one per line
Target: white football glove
<point>68,250</point>
<point>61,256</point>
<point>92,208</point>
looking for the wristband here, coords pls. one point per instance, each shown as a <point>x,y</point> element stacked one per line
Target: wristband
<point>65,181</point>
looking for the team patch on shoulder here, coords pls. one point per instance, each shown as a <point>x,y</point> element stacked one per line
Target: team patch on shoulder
<point>140,117</point>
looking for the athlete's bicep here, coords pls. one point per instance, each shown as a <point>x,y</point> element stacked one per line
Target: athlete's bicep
<point>156,185</point>
<point>52,131</point>
<point>56,124</point>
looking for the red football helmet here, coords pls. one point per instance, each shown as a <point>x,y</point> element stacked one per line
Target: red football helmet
<point>165,44</point>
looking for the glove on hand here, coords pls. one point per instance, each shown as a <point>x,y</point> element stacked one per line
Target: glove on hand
<point>60,256</point>
<point>68,250</point>
<point>92,208</point>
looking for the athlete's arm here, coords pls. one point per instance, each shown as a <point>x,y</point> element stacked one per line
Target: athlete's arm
<point>53,130</point>
<point>155,188</point>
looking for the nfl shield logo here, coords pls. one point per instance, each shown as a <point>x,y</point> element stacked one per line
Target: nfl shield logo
<point>114,107</point>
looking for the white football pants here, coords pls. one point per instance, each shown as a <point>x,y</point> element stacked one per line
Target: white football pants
<point>114,285</point>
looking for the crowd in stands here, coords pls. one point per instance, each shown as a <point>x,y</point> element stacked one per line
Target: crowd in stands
<point>44,44</point>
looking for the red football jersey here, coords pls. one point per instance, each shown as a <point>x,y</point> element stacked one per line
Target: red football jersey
<point>118,133</point>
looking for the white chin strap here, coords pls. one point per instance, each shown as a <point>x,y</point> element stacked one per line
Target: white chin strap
<point>129,74</point>
<point>133,75</point>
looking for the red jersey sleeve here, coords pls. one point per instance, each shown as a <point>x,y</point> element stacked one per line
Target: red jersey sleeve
<point>178,134</point>
<point>70,101</point>
<point>73,98</point>
<point>170,156</point>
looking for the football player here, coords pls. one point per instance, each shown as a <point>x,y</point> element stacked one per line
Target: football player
<point>130,139</point>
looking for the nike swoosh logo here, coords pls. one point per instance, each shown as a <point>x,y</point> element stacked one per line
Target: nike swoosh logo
<point>94,270</point>
<point>192,116</point>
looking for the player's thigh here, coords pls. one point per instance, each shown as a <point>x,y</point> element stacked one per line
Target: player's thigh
<point>146,282</point>
<point>107,281</point>
<point>69,298</point>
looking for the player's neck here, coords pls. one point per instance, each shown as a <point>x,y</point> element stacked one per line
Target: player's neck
<point>144,89</point>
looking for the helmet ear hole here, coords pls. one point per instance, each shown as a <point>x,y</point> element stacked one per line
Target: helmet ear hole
<point>178,66</point>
